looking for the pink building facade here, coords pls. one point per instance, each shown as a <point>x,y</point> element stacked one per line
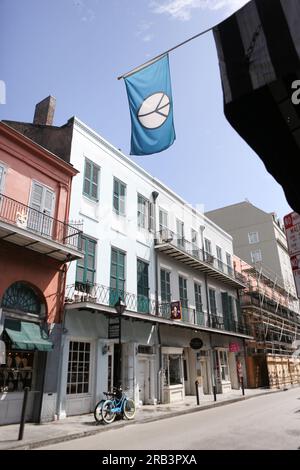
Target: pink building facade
<point>36,244</point>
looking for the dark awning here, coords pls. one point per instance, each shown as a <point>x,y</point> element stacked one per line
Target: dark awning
<point>28,336</point>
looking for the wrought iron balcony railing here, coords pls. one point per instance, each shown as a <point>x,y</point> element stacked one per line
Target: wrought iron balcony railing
<point>166,236</point>
<point>39,223</point>
<point>107,296</point>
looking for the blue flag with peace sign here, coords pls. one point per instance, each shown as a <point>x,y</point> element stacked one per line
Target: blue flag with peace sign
<point>151,108</point>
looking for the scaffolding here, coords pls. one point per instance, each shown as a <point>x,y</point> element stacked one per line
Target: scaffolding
<point>271,311</point>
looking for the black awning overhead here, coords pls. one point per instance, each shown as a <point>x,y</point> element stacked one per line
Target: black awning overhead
<point>259,56</point>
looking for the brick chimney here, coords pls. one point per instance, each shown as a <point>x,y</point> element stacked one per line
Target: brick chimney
<point>44,111</point>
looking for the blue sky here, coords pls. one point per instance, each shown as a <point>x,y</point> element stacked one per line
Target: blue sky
<point>75,49</point>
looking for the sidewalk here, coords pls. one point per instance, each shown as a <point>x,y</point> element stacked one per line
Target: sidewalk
<point>38,435</point>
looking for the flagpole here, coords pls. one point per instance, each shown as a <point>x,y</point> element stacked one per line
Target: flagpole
<point>164,53</point>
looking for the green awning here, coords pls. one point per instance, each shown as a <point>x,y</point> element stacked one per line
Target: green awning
<point>28,336</point>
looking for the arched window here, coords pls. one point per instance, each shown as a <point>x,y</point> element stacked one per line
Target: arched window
<point>21,297</point>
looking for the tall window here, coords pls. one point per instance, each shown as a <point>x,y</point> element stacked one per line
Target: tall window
<point>142,211</point>
<point>207,244</point>
<point>198,297</point>
<point>143,286</point>
<point>163,221</point>
<point>212,301</point>
<point>180,233</point>
<point>229,264</point>
<point>165,286</point>
<point>253,237</point>
<point>91,180</point>
<point>117,275</point>
<point>219,258</point>
<point>183,296</point>
<point>78,368</point>
<point>228,312</point>
<point>194,237</point>
<point>86,267</point>
<point>119,197</point>
<point>42,201</point>
<point>256,256</point>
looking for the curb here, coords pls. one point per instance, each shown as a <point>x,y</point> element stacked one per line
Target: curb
<point>104,428</point>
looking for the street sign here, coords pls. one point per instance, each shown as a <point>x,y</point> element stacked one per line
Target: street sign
<point>196,343</point>
<point>292,230</point>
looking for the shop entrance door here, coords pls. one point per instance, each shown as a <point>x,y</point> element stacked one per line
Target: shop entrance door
<point>143,379</point>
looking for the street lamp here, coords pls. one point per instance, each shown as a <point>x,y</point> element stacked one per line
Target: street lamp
<point>120,308</point>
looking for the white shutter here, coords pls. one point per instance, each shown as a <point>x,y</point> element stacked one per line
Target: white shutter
<point>42,200</point>
<point>36,199</point>
<point>1,177</point>
<point>48,202</point>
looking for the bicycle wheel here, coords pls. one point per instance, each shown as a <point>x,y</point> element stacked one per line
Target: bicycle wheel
<point>98,411</point>
<point>108,415</point>
<point>129,408</point>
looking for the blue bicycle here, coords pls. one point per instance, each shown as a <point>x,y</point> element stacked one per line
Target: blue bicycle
<point>118,404</point>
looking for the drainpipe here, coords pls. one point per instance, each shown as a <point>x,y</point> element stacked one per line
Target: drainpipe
<point>155,195</point>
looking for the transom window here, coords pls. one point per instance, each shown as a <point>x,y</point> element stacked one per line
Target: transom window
<point>119,197</point>
<point>91,180</point>
<point>78,367</point>
<point>21,297</point>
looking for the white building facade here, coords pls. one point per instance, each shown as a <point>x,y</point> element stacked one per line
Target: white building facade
<point>165,261</point>
<point>145,245</point>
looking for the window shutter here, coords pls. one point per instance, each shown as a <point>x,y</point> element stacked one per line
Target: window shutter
<point>1,177</point>
<point>48,203</point>
<point>36,199</point>
<point>151,216</point>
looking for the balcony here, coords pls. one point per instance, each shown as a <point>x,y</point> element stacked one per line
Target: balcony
<point>101,298</point>
<point>182,250</point>
<point>32,229</point>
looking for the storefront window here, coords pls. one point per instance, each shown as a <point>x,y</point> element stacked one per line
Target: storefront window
<point>175,369</point>
<point>78,368</point>
<point>224,366</point>
<point>172,369</point>
<point>16,374</point>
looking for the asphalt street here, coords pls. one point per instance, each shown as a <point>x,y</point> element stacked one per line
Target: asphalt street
<point>270,422</point>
